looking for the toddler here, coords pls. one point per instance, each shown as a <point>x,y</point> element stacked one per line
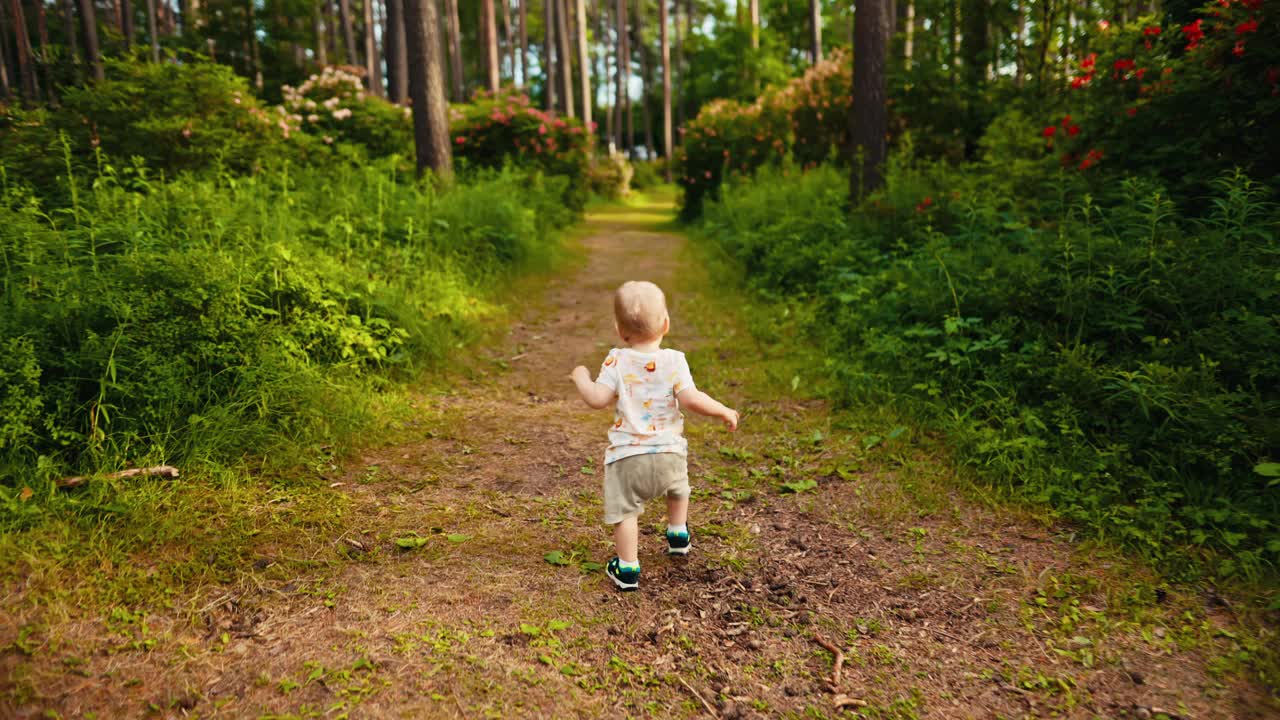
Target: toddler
<point>647,453</point>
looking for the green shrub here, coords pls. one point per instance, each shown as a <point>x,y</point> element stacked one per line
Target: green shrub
<point>610,176</point>
<point>493,131</point>
<point>204,319</point>
<point>647,174</point>
<point>334,107</point>
<point>1100,352</point>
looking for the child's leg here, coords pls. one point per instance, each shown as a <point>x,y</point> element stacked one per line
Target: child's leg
<point>626,538</point>
<point>677,510</point>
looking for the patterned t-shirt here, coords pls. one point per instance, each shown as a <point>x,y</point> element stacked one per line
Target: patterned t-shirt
<point>647,418</point>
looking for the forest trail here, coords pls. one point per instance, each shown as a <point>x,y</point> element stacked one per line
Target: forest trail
<point>808,528</point>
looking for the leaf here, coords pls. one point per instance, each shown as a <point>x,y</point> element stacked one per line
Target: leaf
<point>590,566</point>
<point>871,441</point>
<point>530,630</point>
<point>459,538</point>
<point>896,433</point>
<point>558,625</point>
<point>795,382</point>
<point>587,470</point>
<point>555,557</point>
<point>410,542</point>
<point>1268,469</point>
<point>798,486</point>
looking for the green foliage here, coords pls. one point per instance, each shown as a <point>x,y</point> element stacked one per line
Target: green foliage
<point>1104,354</point>
<point>334,107</point>
<point>207,318</point>
<point>610,176</point>
<point>1183,104</point>
<point>806,117</point>
<point>497,130</point>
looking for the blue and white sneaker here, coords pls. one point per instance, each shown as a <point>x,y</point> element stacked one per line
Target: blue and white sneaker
<point>627,579</point>
<point>678,543</point>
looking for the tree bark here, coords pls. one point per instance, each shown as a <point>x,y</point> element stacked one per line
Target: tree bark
<point>489,44</point>
<point>397,53</point>
<point>624,81</point>
<point>666,86</point>
<point>6,90</point>
<point>153,32</point>
<point>89,18</point>
<point>455,50</point>
<point>317,24</point>
<point>509,38</point>
<point>348,32</point>
<point>549,91</point>
<point>609,77</point>
<point>869,117</point>
<point>426,88</point>
<point>815,31</point>
<point>524,43</point>
<point>584,63</point>
<point>255,59</point>
<point>755,24</point>
<point>46,53</point>
<point>909,39</point>
<point>372,68</point>
<point>564,57</point>
<point>72,36</point>
<point>126,25</point>
<point>646,80</point>
<point>22,46</point>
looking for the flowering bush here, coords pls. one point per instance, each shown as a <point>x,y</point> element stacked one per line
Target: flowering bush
<point>1184,103</point>
<point>334,107</point>
<point>806,117</point>
<point>496,129</point>
<point>610,176</point>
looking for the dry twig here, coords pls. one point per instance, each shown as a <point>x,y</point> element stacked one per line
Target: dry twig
<point>835,673</point>
<point>164,471</point>
<point>698,695</point>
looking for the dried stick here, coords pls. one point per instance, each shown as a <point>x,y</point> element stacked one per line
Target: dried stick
<point>701,699</point>
<point>164,471</point>
<point>835,673</point>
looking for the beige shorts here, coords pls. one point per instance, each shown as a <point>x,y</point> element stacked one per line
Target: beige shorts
<point>631,482</point>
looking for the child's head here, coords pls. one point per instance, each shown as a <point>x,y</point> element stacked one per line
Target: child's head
<point>640,312</point>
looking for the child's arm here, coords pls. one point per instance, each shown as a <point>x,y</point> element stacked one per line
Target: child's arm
<point>704,404</point>
<point>593,393</point>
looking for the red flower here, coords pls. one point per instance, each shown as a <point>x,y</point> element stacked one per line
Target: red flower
<point>1090,159</point>
<point>1049,131</point>
<point>460,139</point>
<point>1140,73</point>
<point>1081,81</point>
<point>924,204</point>
<point>1074,130</point>
<point>1225,3</point>
<point>1238,49</point>
<point>1252,4</point>
<point>1131,111</point>
<point>1151,31</point>
<point>1194,34</point>
<point>1066,120</point>
<point>1123,64</point>
<point>1251,25</point>
<point>1087,63</point>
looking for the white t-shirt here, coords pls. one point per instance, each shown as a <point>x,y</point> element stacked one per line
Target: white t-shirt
<point>647,418</point>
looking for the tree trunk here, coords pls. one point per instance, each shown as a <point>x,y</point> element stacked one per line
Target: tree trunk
<point>549,91</point>
<point>625,123</point>
<point>974,43</point>
<point>153,33</point>
<point>26,63</point>
<point>372,68</point>
<point>953,32</point>
<point>755,24</point>
<point>1019,37</point>
<point>489,44</point>
<point>646,79</point>
<point>317,24</point>
<point>909,40</point>
<point>870,117</point>
<point>609,77</point>
<point>6,90</point>
<point>524,43</point>
<point>89,18</point>
<point>348,32</point>
<point>564,56</point>
<point>584,63</point>
<point>397,53</point>
<point>666,87</point>
<point>815,31</point>
<point>426,88</point>
<point>46,53</point>
<point>509,38</point>
<point>255,60</point>
<point>73,41</point>
<point>126,24</point>
<point>455,50</point>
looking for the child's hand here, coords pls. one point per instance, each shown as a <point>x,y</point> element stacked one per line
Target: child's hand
<point>580,375</point>
<point>730,418</point>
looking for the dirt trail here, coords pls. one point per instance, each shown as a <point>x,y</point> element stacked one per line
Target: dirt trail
<point>940,608</point>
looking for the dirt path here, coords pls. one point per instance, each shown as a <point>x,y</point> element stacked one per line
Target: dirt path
<point>808,530</point>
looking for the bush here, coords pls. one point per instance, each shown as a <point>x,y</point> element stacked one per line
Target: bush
<point>647,174</point>
<point>199,320</point>
<point>496,130</point>
<point>806,118</point>
<point>610,176</point>
<point>334,107</point>
<point>1100,352</point>
<point>1181,104</point>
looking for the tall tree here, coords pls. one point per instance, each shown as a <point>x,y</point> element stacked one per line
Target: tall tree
<point>869,121</point>
<point>679,69</point>
<point>69,32</point>
<point>815,31</point>
<point>602,11</point>
<point>666,86</point>
<point>455,50</point>
<point>909,37</point>
<point>348,31</point>
<point>46,52</point>
<point>126,26</point>
<point>489,44</point>
<point>26,61</point>
<point>524,42</point>
<point>564,56</point>
<point>755,24</point>
<point>317,26</point>
<point>397,53</point>
<point>548,50</point>
<point>426,88</point>
<point>153,32</point>
<point>89,18</point>
<point>624,78</point>
<point>646,77</point>
<point>510,39</point>
<point>372,68</point>
<point>6,91</point>
<point>584,61</point>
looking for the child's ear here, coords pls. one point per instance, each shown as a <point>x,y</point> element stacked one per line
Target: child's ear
<point>618,330</point>
<point>666,325</point>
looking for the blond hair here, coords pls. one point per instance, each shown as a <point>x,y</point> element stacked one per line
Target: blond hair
<point>640,310</point>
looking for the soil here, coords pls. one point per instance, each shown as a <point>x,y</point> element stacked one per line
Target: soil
<point>812,531</point>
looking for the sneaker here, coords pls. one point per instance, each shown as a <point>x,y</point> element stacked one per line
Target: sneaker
<point>626,580</point>
<point>678,543</point>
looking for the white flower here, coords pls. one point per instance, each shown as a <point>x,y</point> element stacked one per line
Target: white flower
<point>342,114</point>
<point>313,118</point>
<point>328,140</point>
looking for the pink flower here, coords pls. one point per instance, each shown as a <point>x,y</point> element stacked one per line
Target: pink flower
<point>542,129</point>
<point>460,139</point>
